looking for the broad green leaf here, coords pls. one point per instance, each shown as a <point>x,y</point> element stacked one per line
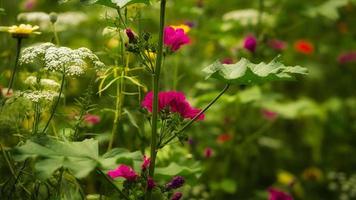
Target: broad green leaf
<point>174,169</point>
<point>328,9</point>
<point>79,157</point>
<point>247,73</point>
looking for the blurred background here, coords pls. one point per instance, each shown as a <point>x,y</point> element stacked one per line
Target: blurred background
<point>299,136</point>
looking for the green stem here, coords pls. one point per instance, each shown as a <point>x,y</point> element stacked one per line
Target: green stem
<point>55,104</point>
<point>109,180</point>
<point>155,80</point>
<point>259,18</point>
<point>187,125</point>
<point>55,33</point>
<point>18,50</point>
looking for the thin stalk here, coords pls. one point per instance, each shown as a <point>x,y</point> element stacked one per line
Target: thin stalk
<point>187,125</point>
<point>55,33</point>
<point>155,83</point>
<point>260,15</point>
<point>55,104</point>
<point>109,180</point>
<point>18,50</point>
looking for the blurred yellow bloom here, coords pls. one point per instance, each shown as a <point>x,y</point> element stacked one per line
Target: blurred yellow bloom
<point>285,178</point>
<point>23,30</point>
<point>112,43</point>
<point>186,28</point>
<point>312,174</point>
<point>151,55</point>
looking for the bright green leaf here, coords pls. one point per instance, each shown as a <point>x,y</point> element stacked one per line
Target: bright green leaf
<point>247,73</point>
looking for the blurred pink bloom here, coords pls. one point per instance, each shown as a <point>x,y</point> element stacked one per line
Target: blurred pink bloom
<point>275,194</point>
<point>175,38</point>
<point>347,57</point>
<point>269,115</point>
<point>130,34</point>
<point>250,43</point>
<point>278,45</point>
<point>150,183</point>
<point>208,152</point>
<point>174,101</point>
<point>123,171</point>
<point>227,61</point>
<point>92,119</point>
<point>177,196</point>
<point>146,163</point>
<point>29,5</point>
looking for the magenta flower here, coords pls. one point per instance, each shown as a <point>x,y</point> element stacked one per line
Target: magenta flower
<point>175,38</point>
<point>150,183</point>
<point>130,34</point>
<point>250,43</point>
<point>347,57</point>
<point>123,171</point>
<point>227,61</point>
<point>275,194</point>
<point>92,119</point>
<point>177,196</point>
<point>174,101</point>
<point>208,152</point>
<point>277,45</point>
<point>146,163</point>
<point>269,115</point>
<point>175,183</point>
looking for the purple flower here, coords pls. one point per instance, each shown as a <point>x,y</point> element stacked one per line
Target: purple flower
<point>250,43</point>
<point>347,57</point>
<point>175,38</point>
<point>275,194</point>
<point>175,183</point>
<point>150,183</point>
<point>174,101</point>
<point>130,34</point>
<point>177,196</point>
<point>123,171</point>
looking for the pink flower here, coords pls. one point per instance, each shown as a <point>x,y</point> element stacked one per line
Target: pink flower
<point>146,163</point>
<point>123,171</point>
<point>208,152</point>
<point>250,43</point>
<point>275,194</point>
<point>174,101</point>
<point>227,61</point>
<point>347,57</point>
<point>277,45</point>
<point>29,4</point>
<point>92,119</point>
<point>177,196</point>
<point>175,38</point>
<point>150,183</point>
<point>269,115</point>
<point>130,34</point>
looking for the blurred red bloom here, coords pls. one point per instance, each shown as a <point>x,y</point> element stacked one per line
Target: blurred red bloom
<point>174,101</point>
<point>222,138</point>
<point>227,61</point>
<point>146,163</point>
<point>208,152</point>
<point>278,45</point>
<point>123,171</point>
<point>275,194</point>
<point>175,38</point>
<point>269,115</point>
<point>304,47</point>
<point>92,119</point>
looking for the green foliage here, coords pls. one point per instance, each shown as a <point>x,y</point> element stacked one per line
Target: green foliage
<point>173,169</point>
<point>246,73</point>
<point>328,9</point>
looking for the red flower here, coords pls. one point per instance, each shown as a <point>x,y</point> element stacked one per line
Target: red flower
<point>275,194</point>
<point>123,171</point>
<point>222,138</point>
<point>92,119</point>
<point>304,47</point>
<point>208,152</point>
<point>269,115</point>
<point>175,38</point>
<point>146,163</point>
<point>174,101</point>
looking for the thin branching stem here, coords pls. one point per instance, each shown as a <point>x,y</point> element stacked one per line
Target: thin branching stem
<point>13,74</point>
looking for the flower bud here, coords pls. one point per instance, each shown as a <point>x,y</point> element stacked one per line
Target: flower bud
<point>176,182</point>
<point>53,17</point>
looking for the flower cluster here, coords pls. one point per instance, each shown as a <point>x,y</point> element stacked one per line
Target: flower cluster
<point>61,59</point>
<point>45,83</point>
<point>275,194</point>
<point>173,101</point>
<point>37,96</point>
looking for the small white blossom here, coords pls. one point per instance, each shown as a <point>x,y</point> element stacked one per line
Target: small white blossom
<point>37,96</point>
<point>46,83</point>
<point>62,59</point>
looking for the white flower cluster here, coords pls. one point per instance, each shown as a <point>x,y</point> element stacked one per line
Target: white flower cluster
<point>65,20</point>
<point>37,95</point>
<point>46,83</point>
<point>62,59</point>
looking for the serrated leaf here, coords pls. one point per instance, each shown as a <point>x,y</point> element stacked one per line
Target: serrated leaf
<point>247,73</point>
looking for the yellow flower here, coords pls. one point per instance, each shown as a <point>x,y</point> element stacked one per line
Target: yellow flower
<point>186,28</point>
<point>312,174</point>
<point>285,178</point>
<point>151,55</point>
<point>23,30</point>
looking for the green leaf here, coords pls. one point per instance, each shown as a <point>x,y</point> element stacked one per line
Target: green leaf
<point>247,73</point>
<point>174,169</point>
<point>79,157</point>
<point>328,9</point>
<point>115,3</point>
